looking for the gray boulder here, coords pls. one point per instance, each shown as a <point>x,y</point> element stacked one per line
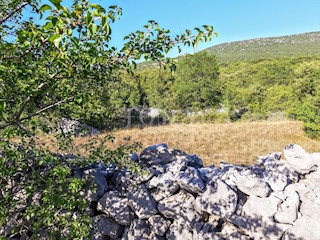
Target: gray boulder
<point>274,165</point>
<point>180,207</point>
<point>160,154</point>
<point>251,184</point>
<point>208,173</point>
<point>299,159</point>
<point>258,229</point>
<point>190,180</point>
<point>218,199</point>
<point>308,190</point>
<point>159,225</point>
<point>276,181</point>
<point>195,161</point>
<point>116,206</point>
<point>76,128</point>
<point>257,218</point>
<point>262,207</point>
<point>98,177</point>
<point>178,231</point>
<point>165,182</point>
<point>107,226</point>
<point>304,228</point>
<point>139,230</point>
<point>231,232</point>
<point>287,211</point>
<point>142,202</point>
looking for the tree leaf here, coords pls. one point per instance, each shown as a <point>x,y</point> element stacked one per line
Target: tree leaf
<point>54,37</point>
<point>45,7</point>
<point>93,28</point>
<point>56,2</point>
<point>78,99</point>
<point>88,18</point>
<point>2,106</point>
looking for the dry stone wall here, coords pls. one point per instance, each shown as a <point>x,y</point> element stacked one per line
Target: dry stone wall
<point>179,198</point>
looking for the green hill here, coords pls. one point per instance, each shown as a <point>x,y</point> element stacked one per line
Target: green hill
<point>305,44</point>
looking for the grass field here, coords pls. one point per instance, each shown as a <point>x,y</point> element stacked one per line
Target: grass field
<point>239,143</point>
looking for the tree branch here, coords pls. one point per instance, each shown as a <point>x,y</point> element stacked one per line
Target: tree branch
<point>13,12</point>
<point>23,54</point>
<point>12,123</point>
<point>28,99</point>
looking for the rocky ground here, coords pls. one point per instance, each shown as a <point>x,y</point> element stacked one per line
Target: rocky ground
<point>179,198</point>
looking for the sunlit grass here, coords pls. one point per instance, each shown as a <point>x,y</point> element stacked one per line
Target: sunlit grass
<point>239,143</point>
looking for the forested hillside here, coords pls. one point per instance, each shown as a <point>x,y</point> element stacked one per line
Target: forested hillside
<point>306,44</point>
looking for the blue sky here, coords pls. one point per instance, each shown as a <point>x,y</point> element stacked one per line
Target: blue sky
<point>232,19</point>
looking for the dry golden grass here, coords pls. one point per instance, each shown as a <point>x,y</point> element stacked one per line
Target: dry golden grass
<point>239,143</point>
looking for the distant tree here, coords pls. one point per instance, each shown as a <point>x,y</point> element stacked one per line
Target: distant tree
<point>196,82</point>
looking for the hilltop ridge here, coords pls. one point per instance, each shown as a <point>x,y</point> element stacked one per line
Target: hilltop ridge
<point>297,45</point>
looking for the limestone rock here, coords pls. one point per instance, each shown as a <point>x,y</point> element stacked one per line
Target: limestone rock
<point>259,229</point>
<point>208,173</point>
<point>177,166</point>
<point>304,228</point>
<point>165,182</point>
<point>107,226</point>
<point>194,161</point>
<point>139,230</point>
<point>76,128</point>
<point>288,210</point>
<point>95,235</point>
<point>142,202</point>
<point>178,231</point>
<point>257,218</point>
<point>159,225</point>
<point>218,199</point>
<point>262,207</point>
<point>273,164</point>
<point>251,184</point>
<point>276,181</point>
<point>308,190</point>
<point>190,180</point>
<point>180,207</point>
<point>231,232</point>
<point>160,154</point>
<point>115,206</point>
<point>299,159</point>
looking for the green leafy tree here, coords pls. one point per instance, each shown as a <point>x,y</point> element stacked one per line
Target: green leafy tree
<point>196,85</point>
<point>60,66</point>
